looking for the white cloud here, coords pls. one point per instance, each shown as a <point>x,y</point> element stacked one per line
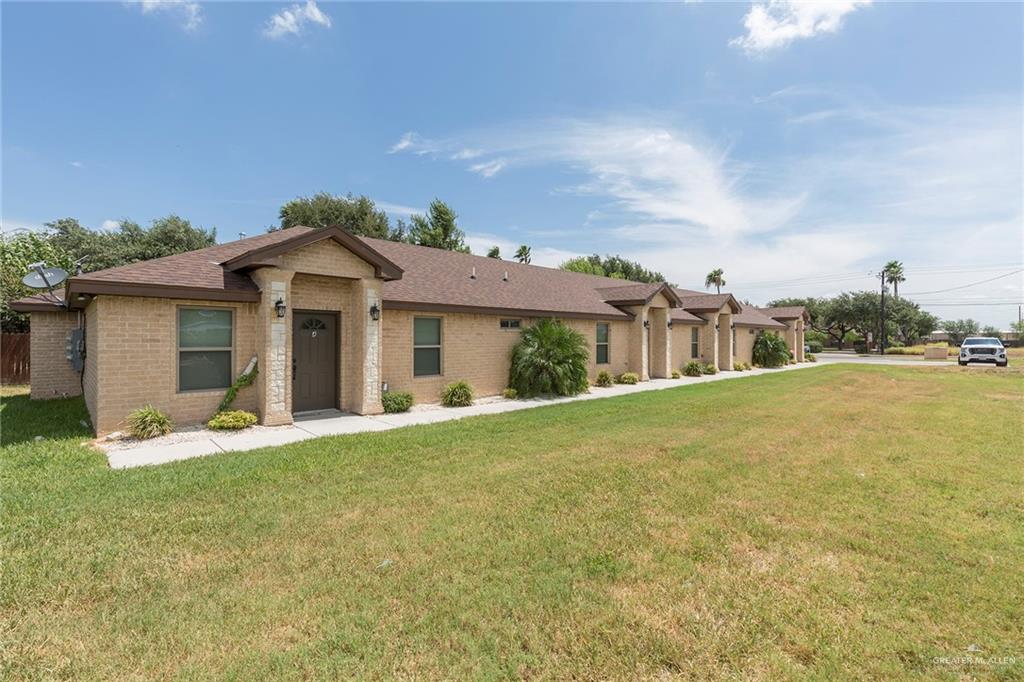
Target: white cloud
<point>774,24</point>
<point>489,169</point>
<point>293,20</point>
<point>398,209</point>
<point>110,225</point>
<point>190,13</point>
<point>76,164</point>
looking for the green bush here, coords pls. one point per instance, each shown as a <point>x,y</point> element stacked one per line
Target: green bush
<point>510,393</point>
<point>457,394</point>
<point>550,358</point>
<point>149,422</point>
<point>810,357</point>
<point>604,379</point>
<point>709,369</point>
<point>737,366</point>
<point>770,350</point>
<point>396,401</point>
<point>628,378</point>
<point>676,374</point>
<point>231,420</point>
<point>815,346</point>
<point>693,369</point>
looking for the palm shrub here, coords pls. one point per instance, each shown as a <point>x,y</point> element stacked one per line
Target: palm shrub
<point>770,350</point>
<point>550,358</point>
<point>231,420</point>
<point>149,422</point>
<point>693,369</point>
<point>628,378</point>
<point>709,369</point>
<point>604,379</point>
<point>457,394</point>
<point>396,401</point>
<point>676,374</point>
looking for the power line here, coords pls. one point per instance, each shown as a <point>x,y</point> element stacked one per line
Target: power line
<point>964,286</point>
<point>829,278</point>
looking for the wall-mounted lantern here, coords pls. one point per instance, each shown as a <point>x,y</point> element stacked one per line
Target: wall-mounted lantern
<point>280,307</point>
<point>717,326</point>
<point>647,324</point>
<point>670,324</point>
<point>374,312</point>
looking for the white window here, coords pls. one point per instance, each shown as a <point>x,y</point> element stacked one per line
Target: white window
<point>603,339</point>
<point>694,343</point>
<point>510,324</point>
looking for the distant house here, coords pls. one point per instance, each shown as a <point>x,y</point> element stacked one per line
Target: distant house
<point>333,318</point>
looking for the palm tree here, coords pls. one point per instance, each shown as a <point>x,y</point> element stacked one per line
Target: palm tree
<point>894,275</point>
<point>495,252</point>
<point>523,254</point>
<point>716,278</point>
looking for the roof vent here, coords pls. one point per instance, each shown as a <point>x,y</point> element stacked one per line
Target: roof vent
<point>473,274</point>
<point>504,278</point>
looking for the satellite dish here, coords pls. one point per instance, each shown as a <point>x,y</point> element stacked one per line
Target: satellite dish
<point>44,278</point>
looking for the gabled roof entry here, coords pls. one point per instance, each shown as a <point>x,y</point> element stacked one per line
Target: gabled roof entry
<point>264,255</point>
<point>639,293</point>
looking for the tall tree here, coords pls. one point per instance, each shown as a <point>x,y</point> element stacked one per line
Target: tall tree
<point>438,229</point>
<point>715,278</point>
<point>359,215</point>
<point>17,251</point>
<point>959,330</point>
<point>894,275</point>
<point>494,252</point>
<point>616,267</point>
<point>910,322</point>
<point>523,254</point>
<point>989,330</point>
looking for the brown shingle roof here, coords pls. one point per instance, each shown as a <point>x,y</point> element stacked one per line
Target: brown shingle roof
<point>700,302</point>
<point>752,317</point>
<point>43,302</point>
<point>432,279</point>
<point>785,312</point>
<point>438,278</point>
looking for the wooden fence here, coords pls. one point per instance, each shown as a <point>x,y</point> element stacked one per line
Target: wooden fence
<point>14,359</point>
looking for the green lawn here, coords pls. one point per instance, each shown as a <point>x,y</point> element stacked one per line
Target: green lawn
<point>837,521</point>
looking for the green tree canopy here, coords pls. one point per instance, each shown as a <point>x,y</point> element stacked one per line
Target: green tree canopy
<point>437,229</point>
<point>894,275</point>
<point>616,267</point>
<point>716,279</point>
<point>959,330</point>
<point>17,251</point>
<point>359,215</point>
<point>523,254</point>
<point>494,252</point>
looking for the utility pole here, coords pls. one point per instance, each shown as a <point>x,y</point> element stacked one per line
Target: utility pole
<point>881,335</point>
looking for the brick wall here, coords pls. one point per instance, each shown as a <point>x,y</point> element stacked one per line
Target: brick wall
<point>89,376</point>
<point>135,356</point>
<point>51,373</point>
<point>476,349</point>
<point>314,292</point>
<point>327,258</point>
<point>681,350</point>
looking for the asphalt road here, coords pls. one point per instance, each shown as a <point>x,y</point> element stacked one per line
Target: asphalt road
<point>891,360</point>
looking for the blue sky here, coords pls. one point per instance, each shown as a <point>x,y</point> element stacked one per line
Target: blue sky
<point>798,147</point>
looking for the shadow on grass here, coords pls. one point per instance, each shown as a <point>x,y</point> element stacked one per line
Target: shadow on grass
<point>21,419</point>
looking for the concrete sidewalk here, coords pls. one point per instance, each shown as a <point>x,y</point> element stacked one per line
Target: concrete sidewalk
<point>202,443</point>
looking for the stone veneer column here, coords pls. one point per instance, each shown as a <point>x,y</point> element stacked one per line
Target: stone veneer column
<point>274,346</point>
<point>800,328</point>
<point>638,343</point>
<point>366,338</point>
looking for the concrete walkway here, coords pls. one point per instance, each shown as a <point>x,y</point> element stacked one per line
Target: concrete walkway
<point>337,423</point>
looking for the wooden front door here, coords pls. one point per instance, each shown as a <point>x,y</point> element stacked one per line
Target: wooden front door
<point>314,361</point>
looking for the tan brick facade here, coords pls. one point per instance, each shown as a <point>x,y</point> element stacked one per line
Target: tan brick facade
<point>52,376</point>
<point>682,344</point>
<point>476,349</point>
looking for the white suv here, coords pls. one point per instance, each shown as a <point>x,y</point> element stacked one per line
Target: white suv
<point>982,349</point>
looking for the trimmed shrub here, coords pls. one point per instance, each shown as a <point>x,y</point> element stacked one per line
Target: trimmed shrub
<point>457,394</point>
<point>815,346</point>
<point>809,357</point>
<point>628,378</point>
<point>693,369</point>
<point>231,420</point>
<point>149,422</point>
<point>604,379</point>
<point>770,350</point>
<point>709,369</point>
<point>737,366</point>
<point>676,374</point>
<point>510,393</point>
<point>396,401</point>
<point>549,359</point>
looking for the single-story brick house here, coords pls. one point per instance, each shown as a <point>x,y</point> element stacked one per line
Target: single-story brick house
<point>333,318</point>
